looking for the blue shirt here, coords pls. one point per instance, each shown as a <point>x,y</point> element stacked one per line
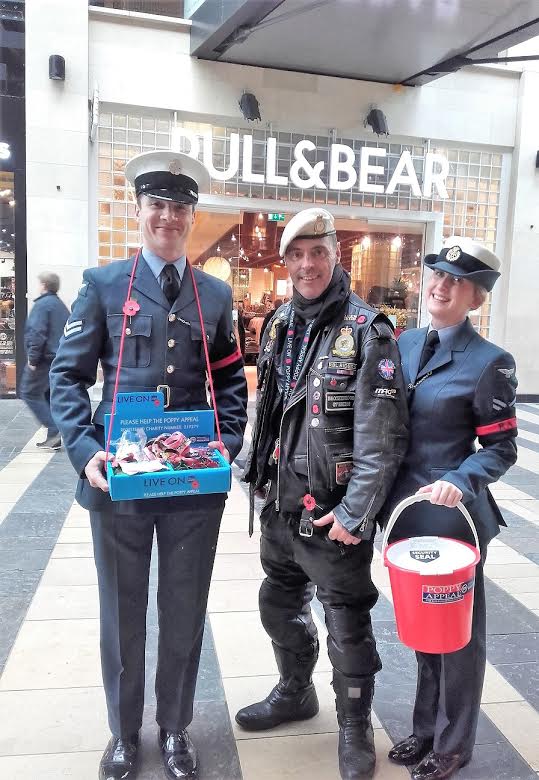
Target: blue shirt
<point>157,263</point>
<point>446,335</point>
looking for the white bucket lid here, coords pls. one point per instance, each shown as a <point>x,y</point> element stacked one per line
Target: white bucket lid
<point>430,554</point>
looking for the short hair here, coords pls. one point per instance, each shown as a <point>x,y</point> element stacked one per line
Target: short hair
<point>278,302</point>
<point>482,294</point>
<point>333,240</point>
<point>50,281</point>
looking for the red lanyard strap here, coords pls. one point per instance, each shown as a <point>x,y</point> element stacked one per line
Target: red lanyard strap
<point>127,311</point>
<point>121,352</point>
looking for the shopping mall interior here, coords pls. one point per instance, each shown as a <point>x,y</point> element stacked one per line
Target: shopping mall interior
<point>241,248</point>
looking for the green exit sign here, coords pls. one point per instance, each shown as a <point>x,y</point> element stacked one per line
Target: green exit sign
<point>276,217</point>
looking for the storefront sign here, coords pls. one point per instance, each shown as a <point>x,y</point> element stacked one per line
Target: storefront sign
<point>344,169</point>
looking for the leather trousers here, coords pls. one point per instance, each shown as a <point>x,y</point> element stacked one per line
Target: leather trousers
<point>295,567</point>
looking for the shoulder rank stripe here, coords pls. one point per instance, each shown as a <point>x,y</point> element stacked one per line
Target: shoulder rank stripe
<point>501,425</point>
<point>226,361</point>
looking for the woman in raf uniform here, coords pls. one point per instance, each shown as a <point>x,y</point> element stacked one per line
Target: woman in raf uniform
<point>461,387</point>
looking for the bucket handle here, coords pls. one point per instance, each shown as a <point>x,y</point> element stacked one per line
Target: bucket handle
<point>413,500</point>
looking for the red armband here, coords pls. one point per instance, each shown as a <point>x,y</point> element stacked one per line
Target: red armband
<point>224,362</point>
<point>497,427</point>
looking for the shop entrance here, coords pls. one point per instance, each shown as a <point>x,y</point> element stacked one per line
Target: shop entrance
<point>241,248</point>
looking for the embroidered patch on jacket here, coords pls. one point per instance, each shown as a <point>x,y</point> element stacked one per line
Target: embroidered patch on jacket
<point>386,369</point>
<point>341,368</point>
<point>71,328</point>
<point>385,392</point>
<point>344,344</point>
<point>339,402</point>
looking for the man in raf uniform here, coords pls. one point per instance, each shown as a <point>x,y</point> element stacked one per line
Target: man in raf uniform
<point>330,434</point>
<point>163,349</point>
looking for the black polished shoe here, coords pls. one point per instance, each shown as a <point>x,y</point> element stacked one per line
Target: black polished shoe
<point>178,753</point>
<point>50,443</point>
<point>439,766</point>
<point>280,706</point>
<point>119,761</point>
<point>410,750</point>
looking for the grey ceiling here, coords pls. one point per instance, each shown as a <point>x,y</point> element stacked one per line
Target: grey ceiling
<point>394,41</point>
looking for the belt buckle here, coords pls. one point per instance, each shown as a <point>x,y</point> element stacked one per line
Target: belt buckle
<point>165,389</point>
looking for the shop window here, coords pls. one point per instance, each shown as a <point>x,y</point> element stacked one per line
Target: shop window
<point>474,177</point>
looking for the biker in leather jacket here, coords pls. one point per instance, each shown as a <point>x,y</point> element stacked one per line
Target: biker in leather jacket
<point>330,434</point>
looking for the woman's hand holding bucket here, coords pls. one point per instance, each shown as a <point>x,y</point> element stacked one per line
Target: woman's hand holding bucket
<point>442,493</point>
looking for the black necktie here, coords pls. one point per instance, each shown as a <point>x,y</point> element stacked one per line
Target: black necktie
<point>429,348</point>
<point>170,282</point>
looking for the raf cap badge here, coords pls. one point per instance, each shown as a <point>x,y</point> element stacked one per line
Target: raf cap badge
<point>344,344</point>
<point>453,254</point>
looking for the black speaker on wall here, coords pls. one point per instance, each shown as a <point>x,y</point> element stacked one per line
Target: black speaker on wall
<point>57,67</point>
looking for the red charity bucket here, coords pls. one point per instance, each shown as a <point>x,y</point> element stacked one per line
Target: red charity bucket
<point>432,582</point>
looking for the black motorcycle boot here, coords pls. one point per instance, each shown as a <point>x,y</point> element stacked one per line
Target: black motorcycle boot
<point>293,698</point>
<point>353,698</point>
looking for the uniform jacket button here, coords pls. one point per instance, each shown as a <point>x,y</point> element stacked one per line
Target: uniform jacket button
<point>170,369</point>
<point>171,343</point>
<point>128,331</point>
<point>171,317</point>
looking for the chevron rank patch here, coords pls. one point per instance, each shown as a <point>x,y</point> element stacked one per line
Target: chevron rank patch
<point>72,327</point>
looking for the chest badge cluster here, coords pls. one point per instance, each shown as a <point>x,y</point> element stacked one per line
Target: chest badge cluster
<point>344,344</point>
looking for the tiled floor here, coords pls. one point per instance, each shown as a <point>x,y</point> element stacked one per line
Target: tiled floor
<point>50,686</point>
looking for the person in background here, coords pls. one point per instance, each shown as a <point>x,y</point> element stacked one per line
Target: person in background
<point>239,327</point>
<point>163,350</point>
<point>42,333</point>
<point>329,437</point>
<point>461,388</point>
<point>269,314</point>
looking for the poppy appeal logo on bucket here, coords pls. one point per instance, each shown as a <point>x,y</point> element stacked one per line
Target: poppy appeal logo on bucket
<point>446,594</point>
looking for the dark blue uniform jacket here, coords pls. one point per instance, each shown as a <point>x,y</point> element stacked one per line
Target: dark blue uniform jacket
<point>464,395</point>
<point>44,328</point>
<point>163,345</point>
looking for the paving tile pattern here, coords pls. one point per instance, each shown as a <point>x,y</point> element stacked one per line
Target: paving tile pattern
<point>49,655</point>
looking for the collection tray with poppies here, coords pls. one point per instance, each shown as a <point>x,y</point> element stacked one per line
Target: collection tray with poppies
<point>137,455</point>
<point>156,453</point>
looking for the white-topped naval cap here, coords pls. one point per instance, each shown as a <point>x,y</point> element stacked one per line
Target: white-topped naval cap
<point>309,223</point>
<point>167,175</point>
